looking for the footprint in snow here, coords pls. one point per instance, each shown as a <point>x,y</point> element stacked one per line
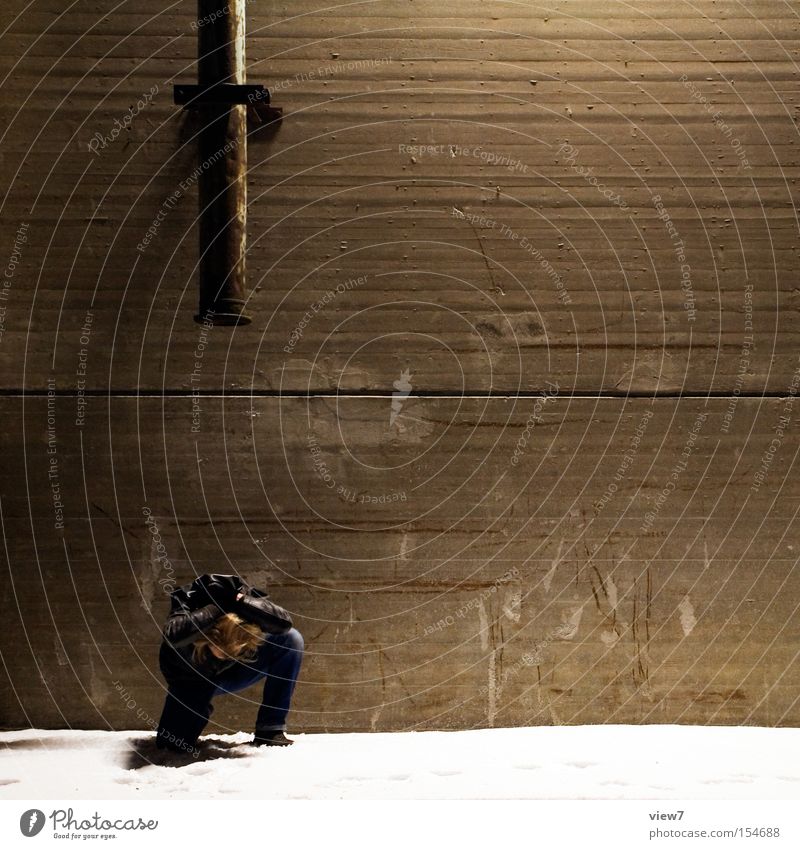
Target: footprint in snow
<point>198,770</point>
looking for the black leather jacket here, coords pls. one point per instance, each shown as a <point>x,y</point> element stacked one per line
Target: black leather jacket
<point>196,607</point>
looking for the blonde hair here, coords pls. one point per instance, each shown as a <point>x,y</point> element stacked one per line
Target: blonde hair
<point>230,635</point>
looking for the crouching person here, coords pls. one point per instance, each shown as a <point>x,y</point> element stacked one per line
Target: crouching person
<point>223,636</point>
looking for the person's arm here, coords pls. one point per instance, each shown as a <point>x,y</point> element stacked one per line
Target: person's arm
<point>188,620</point>
<point>185,626</point>
<point>265,613</point>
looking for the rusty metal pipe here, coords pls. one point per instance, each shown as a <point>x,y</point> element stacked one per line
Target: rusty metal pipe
<point>222,184</point>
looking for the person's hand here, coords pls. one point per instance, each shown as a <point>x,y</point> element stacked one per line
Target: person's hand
<point>265,613</point>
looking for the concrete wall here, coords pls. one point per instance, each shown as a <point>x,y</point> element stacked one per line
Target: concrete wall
<point>588,206</point>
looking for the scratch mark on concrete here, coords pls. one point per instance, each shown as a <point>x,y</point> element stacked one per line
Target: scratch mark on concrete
<point>491,707</point>
<point>594,593</point>
<point>483,621</point>
<point>609,637</point>
<point>546,704</point>
<point>570,624</point>
<point>612,593</point>
<point>512,605</point>
<point>548,578</point>
<point>404,546</point>
<point>688,619</point>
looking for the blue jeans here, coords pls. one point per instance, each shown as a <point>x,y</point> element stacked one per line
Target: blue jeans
<point>188,707</point>
<point>278,659</point>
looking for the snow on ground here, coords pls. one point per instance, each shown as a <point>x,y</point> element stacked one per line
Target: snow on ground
<point>574,762</point>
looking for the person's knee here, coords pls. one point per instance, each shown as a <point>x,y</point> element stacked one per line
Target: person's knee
<point>294,640</point>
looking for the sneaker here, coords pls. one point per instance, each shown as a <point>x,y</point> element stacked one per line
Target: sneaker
<point>270,738</point>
